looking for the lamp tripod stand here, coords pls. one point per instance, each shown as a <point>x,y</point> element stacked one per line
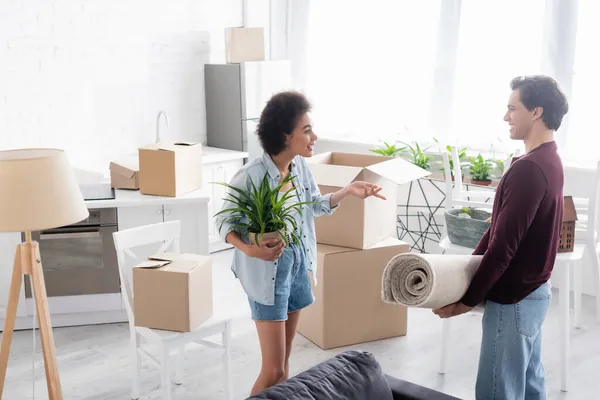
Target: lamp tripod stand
<point>28,262</point>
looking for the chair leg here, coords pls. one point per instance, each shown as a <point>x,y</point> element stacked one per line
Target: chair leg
<point>227,361</point>
<point>577,282</point>
<point>591,250</point>
<point>179,366</point>
<point>136,365</point>
<point>444,345</point>
<point>165,373</point>
<point>565,325</point>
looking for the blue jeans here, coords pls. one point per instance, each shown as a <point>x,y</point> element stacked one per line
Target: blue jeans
<point>510,362</point>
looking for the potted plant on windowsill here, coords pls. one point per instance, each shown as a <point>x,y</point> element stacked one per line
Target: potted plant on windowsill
<point>418,156</point>
<point>480,170</point>
<point>264,213</point>
<point>389,150</point>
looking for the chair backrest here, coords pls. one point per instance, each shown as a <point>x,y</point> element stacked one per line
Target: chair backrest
<point>593,209</point>
<point>164,235</point>
<point>454,199</point>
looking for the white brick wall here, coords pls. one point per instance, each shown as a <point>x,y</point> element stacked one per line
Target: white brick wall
<point>89,76</point>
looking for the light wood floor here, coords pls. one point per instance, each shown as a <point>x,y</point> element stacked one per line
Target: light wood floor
<point>93,360</point>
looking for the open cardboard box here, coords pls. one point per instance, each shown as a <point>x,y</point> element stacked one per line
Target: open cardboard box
<point>124,173</point>
<point>173,291</point>
<point>360,223</point>
<point>170,169</point>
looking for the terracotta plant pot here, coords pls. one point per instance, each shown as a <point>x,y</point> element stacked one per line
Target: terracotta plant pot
<point>265,237</point>
<point>486,182</point>
<point>462,178</point>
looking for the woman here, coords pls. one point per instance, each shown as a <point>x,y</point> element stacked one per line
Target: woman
<point>276,279</point>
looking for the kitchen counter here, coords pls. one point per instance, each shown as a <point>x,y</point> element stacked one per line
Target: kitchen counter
<point>133,198</point>
<point>211,155</point>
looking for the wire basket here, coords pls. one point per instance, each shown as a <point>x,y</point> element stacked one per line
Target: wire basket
<point>466,232</point>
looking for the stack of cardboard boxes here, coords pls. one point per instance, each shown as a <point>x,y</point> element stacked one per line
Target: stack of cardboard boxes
<point>354,246</point>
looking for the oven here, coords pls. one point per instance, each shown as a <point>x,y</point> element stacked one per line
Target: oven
<point>80,260</point>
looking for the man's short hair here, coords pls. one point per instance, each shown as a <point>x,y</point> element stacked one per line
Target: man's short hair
<point>542,91</point>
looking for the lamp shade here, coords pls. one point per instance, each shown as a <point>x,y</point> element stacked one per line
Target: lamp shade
<point>38,191</point>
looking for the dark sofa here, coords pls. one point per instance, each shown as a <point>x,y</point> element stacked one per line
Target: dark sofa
<point>350,375</point>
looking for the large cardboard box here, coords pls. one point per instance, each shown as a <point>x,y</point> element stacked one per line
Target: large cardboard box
<point>170,169</point>
<point>173,292</point>
<point>244,44</point>
<point>360,223</point>
<point>124,173</point>
<point>348,308</point>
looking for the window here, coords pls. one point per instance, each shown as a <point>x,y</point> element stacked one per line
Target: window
<point>497,41</point>
<point>583,134</point>
<point>370,66</point>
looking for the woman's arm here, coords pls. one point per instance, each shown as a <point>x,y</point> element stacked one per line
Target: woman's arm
<point>265,252</point>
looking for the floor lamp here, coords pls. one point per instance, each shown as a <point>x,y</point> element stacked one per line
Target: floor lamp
<point>38,191</point>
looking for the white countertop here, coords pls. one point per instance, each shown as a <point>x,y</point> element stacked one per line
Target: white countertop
<point>133,198</point>
<point>211,155</point>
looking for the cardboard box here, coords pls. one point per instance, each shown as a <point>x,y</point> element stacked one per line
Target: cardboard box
<point>365,222</point>
<point>124,174</point>
<point>173,292</point>
<point>244,44</point>
<point>348,308</point>
<point>170,169</point>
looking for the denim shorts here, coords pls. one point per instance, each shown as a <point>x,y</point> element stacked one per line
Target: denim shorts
<point>292,287</point>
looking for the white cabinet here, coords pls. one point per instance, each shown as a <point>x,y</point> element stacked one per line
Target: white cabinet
<point>194,226</point>
<point>193,218</point>
<point>218,172</point>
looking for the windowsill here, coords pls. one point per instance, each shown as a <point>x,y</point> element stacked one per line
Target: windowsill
<point>372,143</point>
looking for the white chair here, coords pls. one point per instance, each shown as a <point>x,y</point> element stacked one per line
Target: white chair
<point>167,236</point>
<point>587,232</point>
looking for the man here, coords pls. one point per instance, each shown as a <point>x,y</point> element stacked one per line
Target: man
<point>519,249</point>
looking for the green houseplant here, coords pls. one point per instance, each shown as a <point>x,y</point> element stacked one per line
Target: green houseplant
<point>263,213</point>
<point>462,154</point>
<point>390,150</point>
<point>480,170</point>
<point>418,156</point>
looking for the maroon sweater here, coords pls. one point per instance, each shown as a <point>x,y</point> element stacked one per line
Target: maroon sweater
<point>519,248</point>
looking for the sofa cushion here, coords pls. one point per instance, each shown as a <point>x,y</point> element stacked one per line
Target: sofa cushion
<point>403,390</point>
<point>350,375</point>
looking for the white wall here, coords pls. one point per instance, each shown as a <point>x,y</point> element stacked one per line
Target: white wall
<point>90,76</point>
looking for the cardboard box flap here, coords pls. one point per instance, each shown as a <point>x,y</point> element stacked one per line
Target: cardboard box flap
<point>186,143</point>
<point>326,249</point>
<point>152,264</point>
<point>398,171</point>
<point>321,158</point>
<point>127,169</point>
<point>334,175</point>
<point>179,262</point>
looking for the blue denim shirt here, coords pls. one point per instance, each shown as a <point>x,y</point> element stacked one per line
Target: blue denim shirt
<point>257,276</point>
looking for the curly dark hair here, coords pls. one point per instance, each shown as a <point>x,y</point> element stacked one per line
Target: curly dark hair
<point>279,118</point>
<point>542,91</point>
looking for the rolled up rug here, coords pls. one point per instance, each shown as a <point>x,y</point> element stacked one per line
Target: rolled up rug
<point>427,280</point>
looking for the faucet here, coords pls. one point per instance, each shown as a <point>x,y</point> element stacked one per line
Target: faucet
<point>157,123</point>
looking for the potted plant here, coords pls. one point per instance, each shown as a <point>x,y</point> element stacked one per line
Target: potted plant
<point>390,150</point>
<point>418,156</point>
<point>263,213</point>
<point>480,170</point>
